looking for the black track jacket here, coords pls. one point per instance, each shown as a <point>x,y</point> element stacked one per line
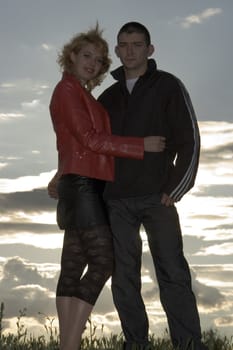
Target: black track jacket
<point>158,105</point>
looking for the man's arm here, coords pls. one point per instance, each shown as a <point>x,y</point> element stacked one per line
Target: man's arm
<point>184,143</point>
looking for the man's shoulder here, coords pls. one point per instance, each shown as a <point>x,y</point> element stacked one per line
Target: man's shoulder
<point>169,80</point>
<point>168,76</point>
<point>109,91</point>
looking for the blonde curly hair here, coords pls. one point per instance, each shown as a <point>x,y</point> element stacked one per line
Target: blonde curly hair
<point>92,36</point>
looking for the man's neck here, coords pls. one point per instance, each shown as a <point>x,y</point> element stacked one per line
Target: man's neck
<point>134,73</point>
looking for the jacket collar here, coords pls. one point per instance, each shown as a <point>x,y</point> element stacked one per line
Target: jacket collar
<point>69,76</point>
<point>119,74</point>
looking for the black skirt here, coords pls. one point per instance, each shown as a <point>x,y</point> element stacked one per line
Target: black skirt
<point>80,203</point>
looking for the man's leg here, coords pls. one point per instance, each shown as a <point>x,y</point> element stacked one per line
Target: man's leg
<point>165,240</point>
<point>126,279</point>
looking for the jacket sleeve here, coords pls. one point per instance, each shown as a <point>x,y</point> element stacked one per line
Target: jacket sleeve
<point>76,118</point>
<point>183,143</point>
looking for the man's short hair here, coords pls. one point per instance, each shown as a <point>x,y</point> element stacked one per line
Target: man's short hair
<point>135,27</point>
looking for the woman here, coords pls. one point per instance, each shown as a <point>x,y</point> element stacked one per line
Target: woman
<point>86,151</point>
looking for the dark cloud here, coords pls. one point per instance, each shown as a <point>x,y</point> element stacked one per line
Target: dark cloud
<point>31,253</point>
<point>222,227</point>
<point>207,296</point>
<point>224,321</point>
<point>210,259</point>
<point>18,227</point>
<point>225,190</point>
<point>104,303</point>
<point>208,217</point>
<point>22,286</point>
<point>217,153</point>
<point>31,201</point>
<point>223,273</point>
<point>193,244</point>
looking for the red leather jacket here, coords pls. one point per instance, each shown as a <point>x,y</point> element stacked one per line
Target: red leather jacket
<point>84,141</point>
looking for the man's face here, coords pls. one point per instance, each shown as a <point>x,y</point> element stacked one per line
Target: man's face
<point>133,52</point>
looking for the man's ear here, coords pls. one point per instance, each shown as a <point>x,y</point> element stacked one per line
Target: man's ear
<point>117,51</point>
<point>151,50</point>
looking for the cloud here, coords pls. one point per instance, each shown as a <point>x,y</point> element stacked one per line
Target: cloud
<point>28,288</point>
<point>208,297</point>
<point>28,215</point>
<point>31,105</point>
<point>219,190</point>
<point>221,152</point>
<point>30,252</point>
<point>3,165</point>
<point>10,116</point>
<point>30,201</point>
<point>25,183</point>
<point>16,229</point>
<point>25,85</point>
<point>199,18</point>
<point>216,154</point>
<point>32,289</point>
<point>218,249</point>
<point>7,85</point>
<point>47,47</point>
<point>224,321</point>
<point>215,273</point>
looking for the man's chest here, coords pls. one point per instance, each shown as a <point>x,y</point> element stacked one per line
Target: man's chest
<point>138,114</point>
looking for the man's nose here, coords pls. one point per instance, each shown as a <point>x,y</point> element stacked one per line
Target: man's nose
<point>129,49</point>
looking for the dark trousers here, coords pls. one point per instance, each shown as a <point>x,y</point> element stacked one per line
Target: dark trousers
<point>165,242</point>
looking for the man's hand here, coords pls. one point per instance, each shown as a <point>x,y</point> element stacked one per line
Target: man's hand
<point>166,200</point>
<point>154,143</point>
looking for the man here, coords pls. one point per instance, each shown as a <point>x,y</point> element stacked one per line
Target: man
<point>147,101</point>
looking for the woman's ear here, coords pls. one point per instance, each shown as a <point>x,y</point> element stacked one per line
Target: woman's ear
<point>72,57</point>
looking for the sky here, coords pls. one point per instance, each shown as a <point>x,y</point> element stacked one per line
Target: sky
<point>193,40</point>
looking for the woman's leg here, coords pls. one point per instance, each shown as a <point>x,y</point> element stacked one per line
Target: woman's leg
<point>77,290</point>
<point>98,250</point>
<point>73,314</point>
<point>63,305</point>
<point>73,263</point>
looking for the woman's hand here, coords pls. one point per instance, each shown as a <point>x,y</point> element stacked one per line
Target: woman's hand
<point>52,187</point>
<point>154,143</point>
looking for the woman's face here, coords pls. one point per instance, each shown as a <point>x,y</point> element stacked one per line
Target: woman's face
<point>87,63</point>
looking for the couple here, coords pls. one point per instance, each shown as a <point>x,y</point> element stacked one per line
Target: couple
<point>123,161</point>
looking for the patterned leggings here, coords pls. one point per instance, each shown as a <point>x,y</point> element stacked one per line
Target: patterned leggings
<point>86,262</point>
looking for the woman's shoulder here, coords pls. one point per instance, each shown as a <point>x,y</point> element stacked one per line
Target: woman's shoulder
<point>68,84</point>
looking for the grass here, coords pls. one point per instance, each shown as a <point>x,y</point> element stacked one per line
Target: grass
<point>21,340</point>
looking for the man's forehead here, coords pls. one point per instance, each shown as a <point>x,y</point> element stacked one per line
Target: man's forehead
<point>131,37</point>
